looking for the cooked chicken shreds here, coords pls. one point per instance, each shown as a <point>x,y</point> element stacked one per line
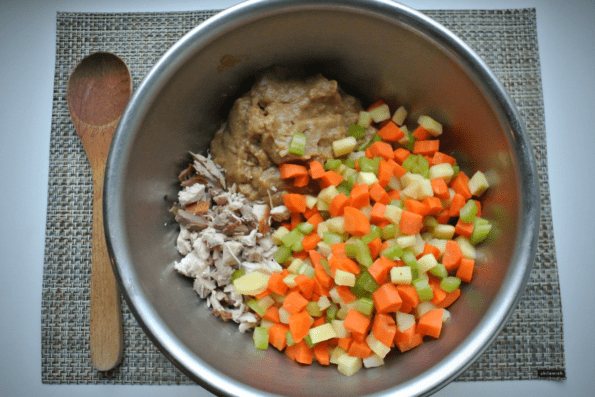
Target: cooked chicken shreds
<point>221,231</point>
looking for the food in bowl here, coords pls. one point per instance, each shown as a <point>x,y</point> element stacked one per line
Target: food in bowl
<point>333,232</point>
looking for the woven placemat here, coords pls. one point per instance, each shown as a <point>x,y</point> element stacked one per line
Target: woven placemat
<point>530,347</point>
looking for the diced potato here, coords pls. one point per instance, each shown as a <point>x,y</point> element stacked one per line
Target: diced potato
<point>336,224</point>
<point>373,361</point>
<point>344,278</point>
<point>423,308</point>
<point>339,328</point>
<point>393,214</point>
<point>401,275</point>
<point>380,113</point>
<point>404,321</point>
<point>399,115</point>
<point>443,170</point>
<point>348,365</point>
<point>406,241</point>
<point>295,265</point>
<point>478,184</point>
<point>284,315</point>
<point>322,332</point>
<point>252,283</point>
<point>377,347</point>
<point>426,262</point>
<point>365,119</point>
<point>328,194</point>
<point>344,146</point>
<point>445,232</point>
<point>337,353</point>
<point>430,125</point>
<point>310,201</point>
<point>278,234</point>
<point>289,280</point>
<point>467,248</point>
<point>367,178</point>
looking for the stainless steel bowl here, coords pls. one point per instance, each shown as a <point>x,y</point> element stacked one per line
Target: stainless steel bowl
<point>373,48</point>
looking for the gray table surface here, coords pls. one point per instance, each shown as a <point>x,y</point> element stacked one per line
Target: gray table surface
<point>566,31</point>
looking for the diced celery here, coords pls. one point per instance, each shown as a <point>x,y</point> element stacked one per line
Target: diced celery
<point>389,231</point>
<point>467,248</point>
<point>349,163</point>
<point>332,164</point>
<point>328,194</point>
<point>365,306</point>
<point>305,227</point>
<point>468,212</point>
<point>430,223</point>
<point>478,183</point>
<point>261,338</point>
<point>344,146</point>
<point>363,255</point>
<point>430,125</point>
<point>439,271</point>
<point>331,312</point>
<point>481,229</point>
<point>375,232</point>
<point>331,238</point>
<point>313,309</point>
<point>297,246</point>
<point>342,312</point>
<point>351,179</point>
<point>297,145</point>
<point>406,241</point>
<point>345,188</point>
<point>309,342</point>
<point>237,274</point>
<point>449,284</point>
<point>443,170</point>
<point>307,269</point>
<point>290,341</point>
<point>279,234</point>
<point>292,237</point>
<point>360,292</point>
<point>253,304</point>
<point>445,232</point>
<point>366,282</point>
<point>336,225</point>
<point>295,265</point>
<point>423,289</point>
<point>357,131</point>
<point>325,266</point>
<point>323,302</point>
<point>367,165</point>
<point>393,252</point>
<point>401,275</point>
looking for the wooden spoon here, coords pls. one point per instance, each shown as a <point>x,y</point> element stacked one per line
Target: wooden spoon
<point>98,91</point>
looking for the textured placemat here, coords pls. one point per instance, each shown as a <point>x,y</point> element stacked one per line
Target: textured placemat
<point>531,345</point>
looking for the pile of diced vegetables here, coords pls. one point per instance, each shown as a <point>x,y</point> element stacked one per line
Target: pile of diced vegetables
<point>373,261</point>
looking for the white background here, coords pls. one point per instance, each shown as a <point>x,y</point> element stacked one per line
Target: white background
<point>566,35</point>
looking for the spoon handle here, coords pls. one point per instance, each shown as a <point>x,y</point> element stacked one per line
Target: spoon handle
<point>106,335</point>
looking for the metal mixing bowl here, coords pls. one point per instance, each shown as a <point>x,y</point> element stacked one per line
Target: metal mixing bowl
<point>373,48</point>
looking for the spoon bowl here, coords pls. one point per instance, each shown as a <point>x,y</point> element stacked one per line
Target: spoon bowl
<point>98,91</point>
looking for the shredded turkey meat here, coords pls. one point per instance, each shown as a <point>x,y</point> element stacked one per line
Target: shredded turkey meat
<point>222,231</point>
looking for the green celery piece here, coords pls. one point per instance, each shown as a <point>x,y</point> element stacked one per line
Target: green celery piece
<point>411,143</point>
<point>439,271</point>
<point>290,341</point>
<point>282,254</point>
<point>398,203</point>
<point>468,212</point>
<point>367,165</point>
<point>456,170</point>
<point>365,306</point>
<point>297,145</point>
<point>297,247</point>
<point>351,179</point>
<point>331,312</point>
<point>253,304</point>
<point>360,292</point>
<point>349,163</point>
<point>305,227</point>
<point>449,284</point>
<point>261,338</point>
<point>389,231</point>
<point>313,309</point>
<point>423,289</point>
<point>480,233</point>
<point>365,145</point>
<point>409,259</point>
<point>363,255</point>
<point>325,266</point>
<point>351,250</point>
<point>292,237</point>
<point>306,269</point>
<point>375,232</point>
<point>393,252</point>
<point>410,162</point>
<point>237,274</point>
<point>332,238</point>
<point>308,340</point>
<point>430,222</point>
<point>357,131</point>
<point>332,164</point>
<point>366,282</point>
<point>345,188</point>
<point>423,166</point>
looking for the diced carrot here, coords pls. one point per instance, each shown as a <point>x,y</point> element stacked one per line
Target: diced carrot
<point>440,158</point>
<point>318,321</point>
<point>296,219</point>
<point>345,293</point>
<point>322,353</point>
<point>380,268</point>
<point>304,354</point>
<point>301,181</point>
<point>378,194</point>
<point>377,103</point>
<point>449,299</point>
<point>299,325</point>
<point>405,308</point>
<point>321,275</point>
<point>478,204</point>
<point>276,283</point>
<point>465,270</point>
<point>416,206</point>
<point>310,212</point>
<point>330,178</point>
<point>263,294</point>
<point>278,335</point>
<point>430,249</point>
<point>359,349</point>
<point>430,323</point>
<point>377,214</point>
<point>292,170</point>
<point>310,241</point>
<point>291,351</point>
<point>408,295</point>
<point>343,262</point>
<point>380,149</point>
<point>440,188</point>
<point>374,247</point>
<point>463,229</point>
<point>433,205</point>
<point>339,249</point>
<point>443,216</point>
<point>410,223</point>
<point>394,195</point>
<point>408,339</point>
<point>397,169</point>
<point>460,185</point>
<point>439,294</point>
<point>384,328</point>
<point>356,322</point>
<point>315,219</point>
<point>458,202</point>
<point>300,255</point>
<point>401,155</point>
<point>316,169</point>
<point>306,285</point>
<point>359,196</point>
<point>387,299</point>
<point>294,302</point>
<point>356,222</point>
<point>345,343</point>
<point>452,255</point>
<point>272,314</point>
<point>319,289</point>
<point>421,134</point>
<point>391,132</point>
<point>426,147</point>
<point>338,203</point>
<point>385,172</point>
<point>295,202</point>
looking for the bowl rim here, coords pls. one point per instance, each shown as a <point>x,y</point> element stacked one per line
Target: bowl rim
<point>187,361</point>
